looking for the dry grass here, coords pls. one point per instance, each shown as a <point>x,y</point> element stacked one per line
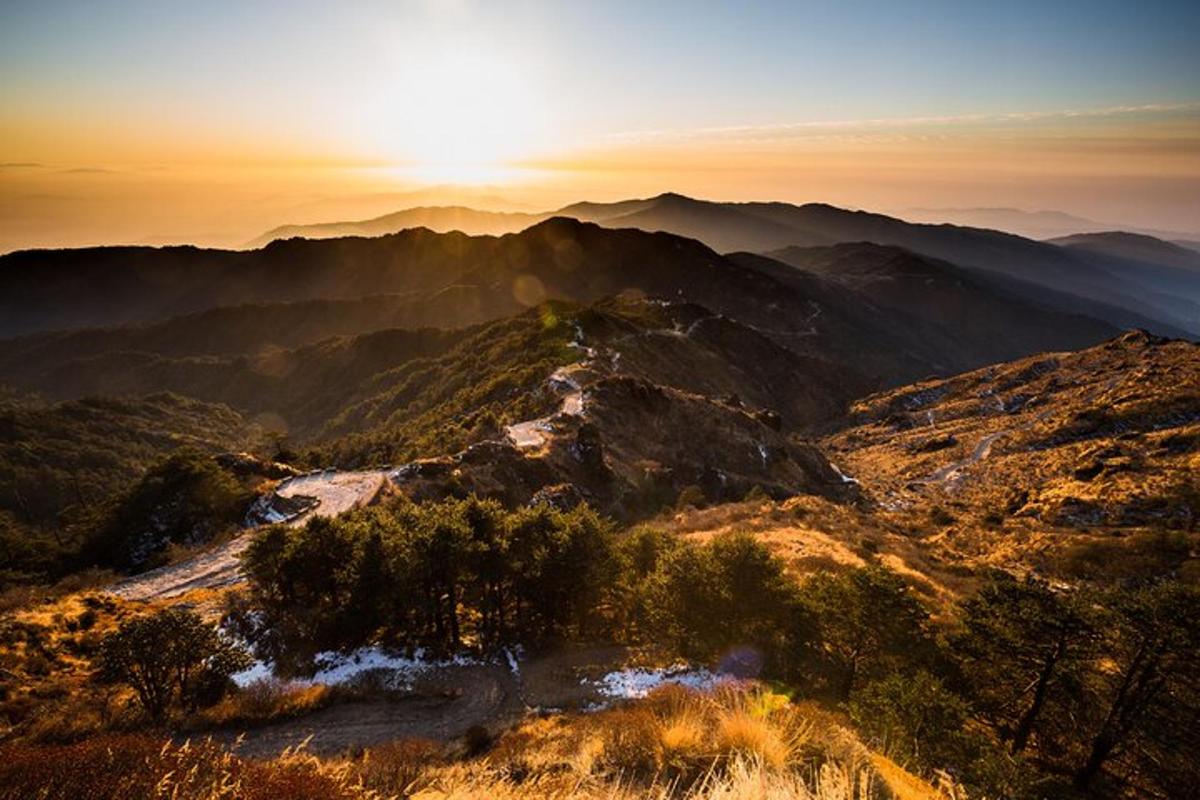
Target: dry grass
<point>684,740</point>
<point>264,701</point>
<point>734,744</point>
<point>124,767</point>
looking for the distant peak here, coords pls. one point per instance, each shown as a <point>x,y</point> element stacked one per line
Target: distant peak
<point>676,197</point>
<point>559,224</point>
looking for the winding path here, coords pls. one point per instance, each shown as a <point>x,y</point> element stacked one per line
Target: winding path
<point>334,493</point>
<point>983,448</point>
<point>533,433</point>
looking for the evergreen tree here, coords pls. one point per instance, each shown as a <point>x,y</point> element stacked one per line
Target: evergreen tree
<point>1146,691</point>
<point>1022,645</point>
<point>867,623</point>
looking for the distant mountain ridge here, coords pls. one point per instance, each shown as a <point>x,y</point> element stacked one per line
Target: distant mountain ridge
<point>1032,224</point>
<point>187,303</point>
<point>1136,246</point>
<point>1123,293</point>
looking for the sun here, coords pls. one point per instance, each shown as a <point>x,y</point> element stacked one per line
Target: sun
<point>465,115</point>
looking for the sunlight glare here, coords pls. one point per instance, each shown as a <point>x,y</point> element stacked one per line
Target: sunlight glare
<point>465,116</point>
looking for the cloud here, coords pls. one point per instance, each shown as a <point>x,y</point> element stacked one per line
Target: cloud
<point>893,126</point>
<point>20,165</point>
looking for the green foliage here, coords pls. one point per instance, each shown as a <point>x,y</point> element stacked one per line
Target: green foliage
<point>186,499</point>
<point>443,403</point>
<point>167,658</point>
<point>867,623</point>
<point>1143,702</point>
<point>439,575</point>
<point>1022,649</point>
<point>1101,685</point>
<point>917,720</point>
<point>729,591</point>
<point>60,466</point>
<point>912,716</point>
<point>691,496</point>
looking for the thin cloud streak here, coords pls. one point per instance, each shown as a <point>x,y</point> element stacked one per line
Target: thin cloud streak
<point>791,130</point>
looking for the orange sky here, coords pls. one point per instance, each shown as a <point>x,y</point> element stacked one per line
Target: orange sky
<point>1133,167</point>
<point>152,122</point>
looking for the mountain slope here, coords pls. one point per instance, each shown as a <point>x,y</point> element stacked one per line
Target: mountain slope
<point>57,455</point>
<point>442,219</point>
<point>1030,224</point>
<point>958,315</point>
<point>1074,464</point>
<point>1135,247</point>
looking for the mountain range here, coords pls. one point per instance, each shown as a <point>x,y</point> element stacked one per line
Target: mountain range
<point>619,353</point>
<point>1125,289</point>
<point>839,397</point>
<point>1031,224</point>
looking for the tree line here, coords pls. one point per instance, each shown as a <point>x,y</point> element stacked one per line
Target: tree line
<point>1085,687</point>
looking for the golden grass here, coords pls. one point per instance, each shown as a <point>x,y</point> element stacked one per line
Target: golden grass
<point>263,701</point>
<point>746,735</point>
<point>904,785</point>
<point>733,744</point>
<point>676,741</point>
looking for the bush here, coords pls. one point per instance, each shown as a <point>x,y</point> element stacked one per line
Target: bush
<point>263,701</point>
<point>186,499</point>
<point>167,657</point>
<point>914,718</point>
<point>730,591</point>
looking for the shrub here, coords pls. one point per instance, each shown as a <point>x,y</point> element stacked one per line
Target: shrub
<point>691,497</point>
<point>913,717</point>
<point>186,499</point>
<point>266,700</point>
<point>729,591</point>
<point>171,655</point>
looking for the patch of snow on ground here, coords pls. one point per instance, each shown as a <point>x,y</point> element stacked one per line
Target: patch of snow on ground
<point>845,478</point>
<point>338,668</point>
<point>258,671</point>
<point>513,659</point>
<point>634,683</point>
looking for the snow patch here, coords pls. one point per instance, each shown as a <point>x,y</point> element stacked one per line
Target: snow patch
<point>338,668</point>
<point>513,659</point>
<point>634,683</point>
<point>845,478</point>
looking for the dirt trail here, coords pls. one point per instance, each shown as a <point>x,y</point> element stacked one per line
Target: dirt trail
<point>534,433</point>
<point>334,493</point>
<point>443,706</point>
<point>952,473</point>
<point>982,450</point>
<point>444,703</point>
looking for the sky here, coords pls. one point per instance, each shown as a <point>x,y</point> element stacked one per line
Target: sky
<point>211,122</point>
